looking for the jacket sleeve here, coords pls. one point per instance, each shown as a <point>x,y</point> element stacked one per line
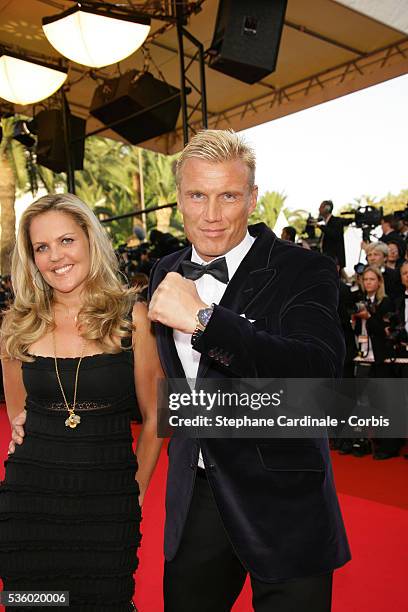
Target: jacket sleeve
<point>152,281</point>
<point>310,341</point>
<point>333,230</point>
<point>376,324</point>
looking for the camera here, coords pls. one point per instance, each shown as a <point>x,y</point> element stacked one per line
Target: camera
<point>397,332</point>
<point>359,268</point>
<point>366,218</point>
<point>363,305</point>
<point>401,215</point>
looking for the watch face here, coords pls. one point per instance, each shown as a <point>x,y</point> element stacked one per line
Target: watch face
<point>204,315</point>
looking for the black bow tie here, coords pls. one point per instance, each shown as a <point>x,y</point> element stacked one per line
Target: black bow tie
<point>406,296</point>
<point>217,268</point>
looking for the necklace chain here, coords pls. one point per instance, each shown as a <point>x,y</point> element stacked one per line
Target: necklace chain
<point>73,419</point>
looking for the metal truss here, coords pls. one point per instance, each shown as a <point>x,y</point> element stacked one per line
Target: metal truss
<point>391,60</point>
<point>163,10</point>
<point>187,84</point>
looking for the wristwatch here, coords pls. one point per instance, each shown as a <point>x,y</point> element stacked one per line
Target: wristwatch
<point>202,317</point>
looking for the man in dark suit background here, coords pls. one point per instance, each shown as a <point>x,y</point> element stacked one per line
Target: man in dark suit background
<point>390,227</point>
<point>332,228</point>
<point>249,305</point>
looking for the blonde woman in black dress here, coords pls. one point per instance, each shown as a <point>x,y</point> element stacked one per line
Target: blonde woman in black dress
<point>76,346</point>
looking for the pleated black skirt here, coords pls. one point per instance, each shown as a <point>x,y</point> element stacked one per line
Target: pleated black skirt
<point>69,510</point>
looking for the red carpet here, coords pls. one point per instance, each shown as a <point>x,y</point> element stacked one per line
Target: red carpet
<point>374,500</point>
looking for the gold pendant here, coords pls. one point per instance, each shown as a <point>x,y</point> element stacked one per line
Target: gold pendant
<point>73,420</point>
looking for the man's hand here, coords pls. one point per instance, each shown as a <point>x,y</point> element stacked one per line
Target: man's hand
<point>17,431</point>
<point>175,303</point>
<point>362,314</point>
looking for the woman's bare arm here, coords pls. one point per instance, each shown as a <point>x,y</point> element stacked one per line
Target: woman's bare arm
<point>15,395</point>
<point>147,373</point>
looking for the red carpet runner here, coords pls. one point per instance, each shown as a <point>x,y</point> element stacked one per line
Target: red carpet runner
<point>374,500</point>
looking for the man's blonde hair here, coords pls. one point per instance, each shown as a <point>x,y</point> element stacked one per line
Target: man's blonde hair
<point>218,146</point>
<point>377,246</point>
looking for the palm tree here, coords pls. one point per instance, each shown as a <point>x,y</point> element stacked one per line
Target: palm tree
<point>13,175</point>
<point>161,189</point>
<point>298,219</point>
<point>268,208</point>
<point>107,183</point>
<point>391,203</point>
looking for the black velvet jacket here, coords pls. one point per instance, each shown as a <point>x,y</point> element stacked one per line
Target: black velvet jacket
<point>276,497</point>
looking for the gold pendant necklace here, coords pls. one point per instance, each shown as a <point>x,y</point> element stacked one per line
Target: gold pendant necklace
<point>73,419</point>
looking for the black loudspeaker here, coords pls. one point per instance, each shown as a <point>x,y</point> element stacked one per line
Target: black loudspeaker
<point>48,125</point>
<point>247,37</point>
<point>137,92</point>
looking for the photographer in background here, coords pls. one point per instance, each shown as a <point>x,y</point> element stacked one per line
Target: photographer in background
<point>396,254</point>
<point>375,353</point>
<point>377,255</point>
<point>390,227</point>
<point>346,306</point>
<point>398,329</point>
<point>332,242</point>
<point>289,234</point>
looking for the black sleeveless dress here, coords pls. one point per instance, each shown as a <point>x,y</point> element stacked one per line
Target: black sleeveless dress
<point>69,510</point>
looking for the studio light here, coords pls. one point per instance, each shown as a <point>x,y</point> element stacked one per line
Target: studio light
<point>26,81</point>
<point>94,36</point>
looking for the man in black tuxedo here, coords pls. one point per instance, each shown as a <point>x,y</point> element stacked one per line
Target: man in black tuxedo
<point>332,243</point>
<point>242,303</point>
<point>389,225</point>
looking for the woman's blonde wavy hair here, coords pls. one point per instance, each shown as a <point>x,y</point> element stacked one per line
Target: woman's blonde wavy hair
<point>380,293</point>
<point>104,316</point>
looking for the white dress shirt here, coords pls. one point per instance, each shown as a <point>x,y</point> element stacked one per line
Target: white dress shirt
<point>366,345</point>
<point>210,291</point>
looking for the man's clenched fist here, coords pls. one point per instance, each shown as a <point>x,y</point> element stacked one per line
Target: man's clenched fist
<point>175,303</point>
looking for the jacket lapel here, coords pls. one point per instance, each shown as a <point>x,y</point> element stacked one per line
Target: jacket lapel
<point>254,276</point>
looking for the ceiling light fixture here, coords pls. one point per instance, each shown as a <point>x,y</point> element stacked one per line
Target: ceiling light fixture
<point>96,36</point>
<point>25,81</point>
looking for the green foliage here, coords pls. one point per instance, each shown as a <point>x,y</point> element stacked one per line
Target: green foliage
<point>390,202</point>
<point>51,181</point>
<point>160,188</point>
<point>15,153</point>
<point>268,208</point>
<point>108,183</point>
<point>297,219</point>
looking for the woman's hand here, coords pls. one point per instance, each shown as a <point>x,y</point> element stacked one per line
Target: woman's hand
<point>17,431</point>
<point>148,372</point>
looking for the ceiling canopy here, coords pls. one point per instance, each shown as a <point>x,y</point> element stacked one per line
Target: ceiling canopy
<point>328,49</point>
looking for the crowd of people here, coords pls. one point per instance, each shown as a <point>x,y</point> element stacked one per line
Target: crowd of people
<point>372,304</point>
<point>373,311</point>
